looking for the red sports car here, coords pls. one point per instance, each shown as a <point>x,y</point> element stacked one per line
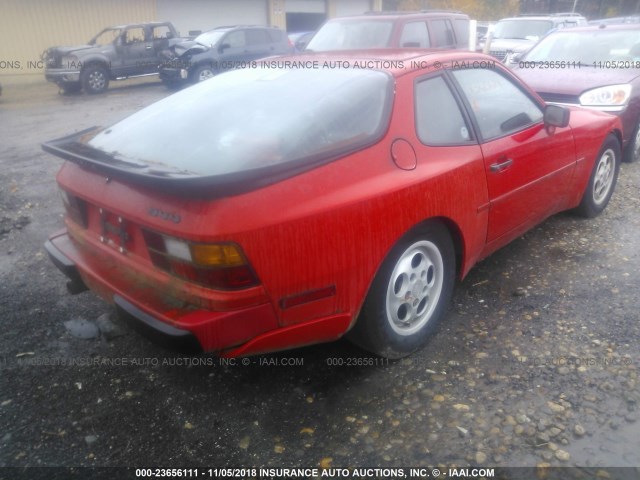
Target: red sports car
<point>319,196</point>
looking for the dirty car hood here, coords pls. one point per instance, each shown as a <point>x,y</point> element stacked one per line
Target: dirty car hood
<point>67,50</point>
<point>511,44</point>
<point>183,47</point>
<point>574,81</point>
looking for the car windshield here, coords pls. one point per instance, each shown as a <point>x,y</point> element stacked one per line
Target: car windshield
<point>522,29</point>
<point>209,39</point>
<point>587,47</point>
<point>105,37</point>
<point>351,34</point>
<point>254,118</point>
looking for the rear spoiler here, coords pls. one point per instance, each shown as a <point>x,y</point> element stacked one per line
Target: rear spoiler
<point>74,148</point>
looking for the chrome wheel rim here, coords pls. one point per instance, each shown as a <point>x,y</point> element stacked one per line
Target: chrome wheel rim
<point>636,145</point>
<point>205,74</point>
<point>96,80</point>
<point>603,179</point>
<point>414,288</point>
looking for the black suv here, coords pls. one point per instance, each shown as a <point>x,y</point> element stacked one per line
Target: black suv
<point>220,49</point>
<point>425,29</point>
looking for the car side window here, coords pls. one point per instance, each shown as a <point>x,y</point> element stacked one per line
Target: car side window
<point>276,35</point>
<point>500,107</point>
<point>443,33</point>
<point>415,35</point>
<point>161,32</point>
<point>134,35</point>
<point>461,26</point>
<point>257,37</point>
<point>439,120</point>
<point>236,39</point>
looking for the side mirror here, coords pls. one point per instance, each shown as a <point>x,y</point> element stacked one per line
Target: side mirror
<point>556,116</point>
<point>512,58</point>
<point>223,47</point>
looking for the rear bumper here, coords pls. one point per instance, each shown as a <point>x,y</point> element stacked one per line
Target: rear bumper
<point>183,329</point>
<point>63,263</point>
<point>159,332</point>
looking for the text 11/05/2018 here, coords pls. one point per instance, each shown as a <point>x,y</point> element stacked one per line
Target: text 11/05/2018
<point>304,473</point>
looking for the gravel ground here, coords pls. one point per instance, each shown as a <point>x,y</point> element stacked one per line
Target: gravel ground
<point>536,364</point>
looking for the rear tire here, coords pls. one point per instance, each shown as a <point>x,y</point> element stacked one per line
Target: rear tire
<point>409,295</point>
<point>603,179</point>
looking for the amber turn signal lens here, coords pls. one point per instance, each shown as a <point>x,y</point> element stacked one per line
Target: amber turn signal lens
<point>219,265</point>
<point>217,255</point>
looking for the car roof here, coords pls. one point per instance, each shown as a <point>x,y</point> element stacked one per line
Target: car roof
<point>603,27</point>
<point>560,17</point>
<point>137,24</point>
<point>387,15</point>
<point>231,27</point>
<point>616,20</point>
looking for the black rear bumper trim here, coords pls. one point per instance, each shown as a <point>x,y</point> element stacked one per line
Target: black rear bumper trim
<point>159,332</point>
<point>63,263</point>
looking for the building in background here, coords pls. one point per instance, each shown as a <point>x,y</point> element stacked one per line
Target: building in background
<point>28,27</point>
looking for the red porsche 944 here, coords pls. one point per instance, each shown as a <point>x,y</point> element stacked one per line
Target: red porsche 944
<point>294,203</point>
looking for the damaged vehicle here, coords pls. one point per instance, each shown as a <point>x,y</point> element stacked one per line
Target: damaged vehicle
<point>116,53</point>
<point>219,50</point>
<point>282,206</point>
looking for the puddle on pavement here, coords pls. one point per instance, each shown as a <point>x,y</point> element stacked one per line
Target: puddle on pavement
<point>81,328</point>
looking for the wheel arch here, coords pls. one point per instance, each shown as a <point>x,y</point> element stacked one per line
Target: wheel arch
<point>96,61</point>
<point>457,239</point>
<point>372,332</point>
<point>455,233</point>
<point>618,134</point>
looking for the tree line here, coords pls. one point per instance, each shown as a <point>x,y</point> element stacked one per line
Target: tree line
<point>497,9</point>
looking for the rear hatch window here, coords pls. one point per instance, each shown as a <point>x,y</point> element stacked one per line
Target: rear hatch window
<point>244,128</point>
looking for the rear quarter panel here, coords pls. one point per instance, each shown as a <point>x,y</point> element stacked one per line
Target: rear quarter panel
<point>333,226</point>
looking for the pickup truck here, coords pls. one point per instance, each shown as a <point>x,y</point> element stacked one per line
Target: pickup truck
<point>116,53</point>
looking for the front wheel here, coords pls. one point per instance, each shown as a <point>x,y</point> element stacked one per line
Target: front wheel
<point>95,79</point>
<point>603,179</point>
<point>203,73</point>
<point>409,295</point>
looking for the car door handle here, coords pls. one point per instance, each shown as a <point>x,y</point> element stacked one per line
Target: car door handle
<point>148,47</point>
<point>499,167</point>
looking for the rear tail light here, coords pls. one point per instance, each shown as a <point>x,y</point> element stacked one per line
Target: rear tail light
<point>76,208</point>
<point>213,265</point>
